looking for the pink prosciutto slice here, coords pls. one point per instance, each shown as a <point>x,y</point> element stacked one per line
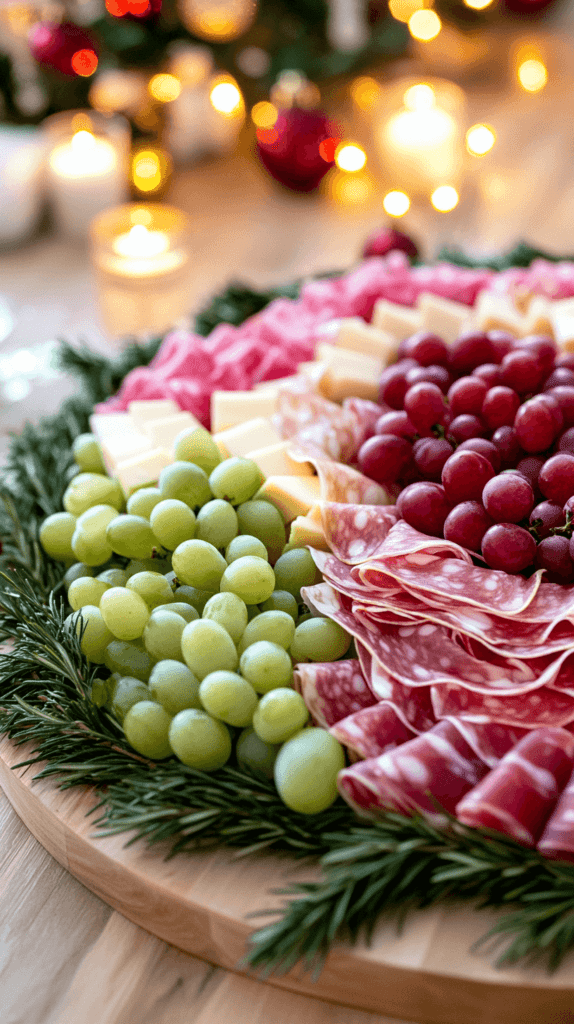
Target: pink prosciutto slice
<point>372,731</point>
<point>517,797</point>
<point>332,690</point>
<point>439,764</point>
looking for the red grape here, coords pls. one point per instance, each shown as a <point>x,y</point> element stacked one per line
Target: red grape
<point>569,508</point>
<point>438,375</point>
<point>530,468</point>
<point>468,351</point>
<point>556,480</point>
<point>566,441</point>
<point>425,406</point>
<point>384,457</point>
<point>553,404</point>
<point>564,395</point>
<point>553,554</point>
<point>565,359</point>
<point>483,447</point>
<point>501,343</point>
<point>546,517</point>
<point>489,373</point>
<point>506,440</point>
<point>543,347</point>
<point>535,425</point>
<point>467,395</point>
<point>465,427</point>
<point>396,422</point>
<point>559,376</point>
<point>521,371</point>
<point>509,547</point>
<point>430,455</point>
<point>508,498</point>
<point>393,383</point>
<point>424,506</point>
<point>428,349</point>
<point>467,524</point>
<point>499,407</point>
<point>465,475</point>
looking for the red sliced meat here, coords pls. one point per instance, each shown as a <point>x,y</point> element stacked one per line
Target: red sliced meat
<point>404,541</point>
<point>332,690</point>
<point>412,704</point>
<point>343,579</point>
<point>366,414</point>
<point>529,710</point>
<point>372,731</point>
<point>439,763</point>
<point>356,532</point>
<point>557,840</point>
<point>517,797</point>
<point>346,485</point>
<point>489,740</point>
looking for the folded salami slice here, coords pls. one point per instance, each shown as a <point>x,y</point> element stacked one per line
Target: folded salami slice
<point>346,485</point>
<point>412,704</point>
<point>332,690</point>
<point>357,532</point>
<point>517,797</point>
<point>530,710</point>
<point>372,731</point>
<point>557,840</point>
<point>489,740</point>
<point>438,764</point>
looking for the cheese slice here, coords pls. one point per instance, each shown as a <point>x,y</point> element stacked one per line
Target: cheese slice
<point>246,437</point>
<point>152,409</point>
<point>228,408</point>
<point>143,470</point>
<point>494,312</point>
<point>357,336</point>
<point>292,495</point>
<point>274,460</point>
<point>392,318</point>
<point>162,433</point>
<point>348,374</point>
<point>443,316</point>
<point>305,531</point>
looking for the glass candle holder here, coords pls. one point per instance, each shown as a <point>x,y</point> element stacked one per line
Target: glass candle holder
<point>141,257</point>
<point>88,157</point>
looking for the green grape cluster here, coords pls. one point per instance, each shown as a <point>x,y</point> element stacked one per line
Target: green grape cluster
<point>200,630</point>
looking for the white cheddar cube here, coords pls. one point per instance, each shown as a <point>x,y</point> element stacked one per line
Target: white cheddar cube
<point>315,513</point>
<point>292,495</point>
<point>246,437</point>
<point>443,316</point>
<point>143,470</point>
<point>562,318</point>
<point>228,408</point>
<point>313,370</point>
<point>123,446</point>
<point>357,336</point>
<point>349,374</point>
<point>392,318</point>
<point>304,531</point>
<point>494,312</point>
<point>152,409</point>
<point>274,460</point>
<point>162,433</point>
<point>279,382</point>
<point>538,319</point>
<point>108,424</point>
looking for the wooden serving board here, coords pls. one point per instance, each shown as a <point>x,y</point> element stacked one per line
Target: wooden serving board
<point>199,903</point>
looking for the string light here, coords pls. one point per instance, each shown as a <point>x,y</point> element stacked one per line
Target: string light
<point>403,10</point>
<point>396,203</point>
<point>365,92</point>
<point>419,97</point>
<point>350,157</point>
<point>424,25</point>
<point>84,63</point>
<point>225,96</point>
<point>217,21</point>
<point>444,198</point>
<point>480,139</point>
<point>150,169</point>
<point>532,75</point>
<point>350,189</point>
<point>264,114</point>
<point>164,88</point>
<point>478,5</point>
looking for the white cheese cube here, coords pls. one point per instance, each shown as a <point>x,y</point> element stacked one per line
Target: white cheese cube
<point>123,446</point>
<point>305,531</point>
<point>256,433</point>
<point>494,312</point>
<point>152,409</point>
<point>108,424</point>
<point>400,321</point>
<point>562,318</point>
<point>143,470</point>
<point>348,374</point>
<point>292,495</point>
<point>274,460</point>
<point>357,336</point>
<point>443,316</point>
<point>279,382</point>
<point>538,319</point>
<point>162,433</point>
<point>228,408</point>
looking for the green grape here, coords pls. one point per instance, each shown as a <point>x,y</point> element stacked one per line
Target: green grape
<point>87,489</point>
<point>229,697</point>
<point>76,572</point>
<point>126,692</point>
<point>304,617</point>
<point>143,501</point>
<point>254,755</point>
<point>128,660</point>
<point>85,591</point>
<point>99,692</point>
<point>96,635</point>
<point>199,564</point>
<point>217,523</point>
<point>295,569</point>
<point>319,639</point>
<point>235,480</point>
<point>279,715</point>
<point>162,635</point>
<point>306,771</point>
<point>152,586</point>
<point>89,549</point>
<point>230,612</point>
<point>187,611</point>
<point>172,522</point>
<point>195,444</point>
<point>88,454</point>
<point>278,627</point>
<point>125,613</point>
<point>281,601</point>
<point>194,597</point>
<point>131,536</point>
<point>199,740</point>
<point>94,522</point>
<point>252,612</point>
<point>56,534</point>
<point>207,647</point>
<point>252,579</point>
<point>114,577</point>
<point>262,520</point>
<point>146,726</point>
<point>186,482</point>
<point>147,565</point>
<point>241,547</point>
<point>173,686</point>
<point>266,666</point>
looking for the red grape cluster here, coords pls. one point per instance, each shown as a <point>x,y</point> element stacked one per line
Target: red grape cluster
<point>479,438</point>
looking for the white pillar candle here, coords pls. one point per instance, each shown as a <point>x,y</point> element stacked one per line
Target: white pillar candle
<point>21,191</point>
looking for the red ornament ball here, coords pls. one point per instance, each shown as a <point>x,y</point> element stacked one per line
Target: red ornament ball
<point>65,48</point>
<point>299,149</point>
<point>386,240</point>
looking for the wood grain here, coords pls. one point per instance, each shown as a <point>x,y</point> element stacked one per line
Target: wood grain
<point>199,903</point>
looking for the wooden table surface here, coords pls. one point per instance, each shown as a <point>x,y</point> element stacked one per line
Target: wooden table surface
<point>65,957</point>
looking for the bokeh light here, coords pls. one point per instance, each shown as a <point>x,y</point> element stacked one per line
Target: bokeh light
<point>396,203</point>
<point>350,189</point>
<point>365,92</point>
<point>327,149</point>
<point>480,139</point>
<point>444,198</point>
<point>225,97</point>
<point>532,75</point>
<point>150,169</point>
<point>84,63</point>
<point>419,97</point>
<point>350,157</point>
<point>424,25</point>
<point>478,5</point>
<point>403,10</point>
<point>264,114</point>
<point>164,88</point>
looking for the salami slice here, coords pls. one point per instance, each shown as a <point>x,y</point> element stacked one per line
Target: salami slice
<point>412,704</point>
<point>332,690</point>
<point>489,740</point>
<point>439,764</point>
<point>517,797</point>
<point>557,840</point>
<point>372,731</point>
<point>543,707</point>
<point>343,484</point>
<point>356,533</point>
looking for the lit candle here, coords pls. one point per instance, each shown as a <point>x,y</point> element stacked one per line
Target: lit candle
<point>141,256</point>
<point>21,192</point>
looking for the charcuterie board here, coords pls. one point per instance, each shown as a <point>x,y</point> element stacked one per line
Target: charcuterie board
<point>200,903</point>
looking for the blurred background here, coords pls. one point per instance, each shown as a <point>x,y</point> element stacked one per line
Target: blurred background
<point>152,151</point>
